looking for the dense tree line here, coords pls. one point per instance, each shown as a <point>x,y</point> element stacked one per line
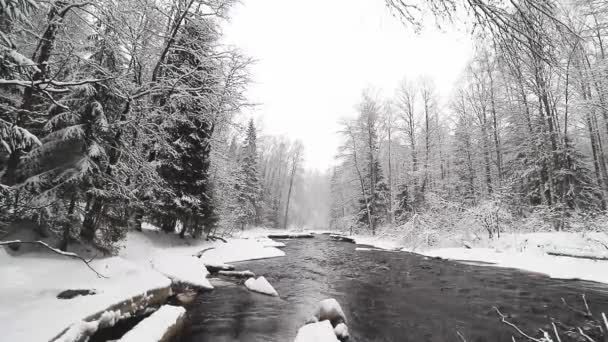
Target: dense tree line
<point>523,133</point>
<point>113,113</point>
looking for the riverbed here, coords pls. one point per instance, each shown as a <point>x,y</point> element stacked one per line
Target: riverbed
<point>387,296</point>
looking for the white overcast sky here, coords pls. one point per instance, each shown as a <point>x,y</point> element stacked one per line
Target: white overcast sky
<point>315,57</point>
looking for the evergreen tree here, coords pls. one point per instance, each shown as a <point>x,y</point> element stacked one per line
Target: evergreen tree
<point>248,185</point>
<point>378,204</point>
<point>184,164</point>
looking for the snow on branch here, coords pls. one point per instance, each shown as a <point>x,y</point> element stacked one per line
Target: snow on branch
<point>57,251</point>
<point>31,84</point>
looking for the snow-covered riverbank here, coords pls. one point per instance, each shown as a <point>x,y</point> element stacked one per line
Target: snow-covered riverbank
<point>149,261</point>
<point>526,251</point>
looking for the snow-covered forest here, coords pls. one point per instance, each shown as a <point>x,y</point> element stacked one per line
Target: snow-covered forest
<point>138,162</point>
<point>118,112</point>
<point>520,142</point>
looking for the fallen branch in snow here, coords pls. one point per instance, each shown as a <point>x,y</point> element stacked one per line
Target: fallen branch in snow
<point>214,237</point>
<point>600,242</point>
<point>200,253</point>
<point>579,256</point>
<point>56,251</point>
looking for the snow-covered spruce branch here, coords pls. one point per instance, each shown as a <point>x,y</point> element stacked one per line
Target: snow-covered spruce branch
<point>57,251</point>
<point>32,84</point>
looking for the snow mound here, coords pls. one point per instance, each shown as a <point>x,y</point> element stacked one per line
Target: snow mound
<point>154,328</point>
<point>329,309</point>
<point>316,332</point>
<point>261,285</point>
<point>182,268</point>
<point>239,250</point>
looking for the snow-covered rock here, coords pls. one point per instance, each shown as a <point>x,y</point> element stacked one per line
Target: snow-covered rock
<point>329,309</point>
<point>316,332</point>
<point>341,331</point>
<point>237,274</point>
<point>214,268</point>
<point>182,268</point>
<point>261,285</point>
<point>156,327</point>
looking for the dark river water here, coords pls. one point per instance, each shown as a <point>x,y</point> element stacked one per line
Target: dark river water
<point>386,296</point>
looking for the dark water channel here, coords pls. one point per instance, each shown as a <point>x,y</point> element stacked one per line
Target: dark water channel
<point>387,296</point>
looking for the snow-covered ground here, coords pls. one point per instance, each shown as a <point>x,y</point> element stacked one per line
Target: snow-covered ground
<point>530,252</point>
<point>526,251</point>
<point>30,310</point>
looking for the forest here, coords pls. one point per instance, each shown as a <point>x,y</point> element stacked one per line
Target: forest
<point>519,143</point>
<point>118,112</point>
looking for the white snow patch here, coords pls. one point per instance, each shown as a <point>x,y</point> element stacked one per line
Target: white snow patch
<point>261,285</point>
<point>153,328</point>
<point>31,281</point>
<point>79,330</point>
<point>329,309</point>
<point>316,332</point>
<point>529,252</point>
<point>239,250</point>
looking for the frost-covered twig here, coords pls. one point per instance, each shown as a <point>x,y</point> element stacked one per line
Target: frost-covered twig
<point>55,250</point>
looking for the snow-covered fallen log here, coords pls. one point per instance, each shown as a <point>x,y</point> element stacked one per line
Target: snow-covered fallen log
<point>578,255</point>
<point>291,236</point>
<point>341,238</point>
<point>237,274</point>
<point>261,285</point>
<point>214,268</point>
<point>162,325</point>
<point>316,332</point>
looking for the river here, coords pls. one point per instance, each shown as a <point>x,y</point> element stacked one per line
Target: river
<point>387,296</point>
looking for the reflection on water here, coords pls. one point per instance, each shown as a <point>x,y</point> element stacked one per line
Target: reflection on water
<point>386,296</point>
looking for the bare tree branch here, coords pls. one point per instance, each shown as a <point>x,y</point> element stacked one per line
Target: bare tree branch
<point>56,251</point>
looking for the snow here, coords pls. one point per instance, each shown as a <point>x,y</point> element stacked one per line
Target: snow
<point>378,242</point>
<point>261,285</point>
<point>148,261</point>
<point>316,332</point>
<point>31,282</point>
<point>239,250</point>
<point>329,309</point>
<point>153,328</point>
<point>78,330</point>
<point>238,274</point>
<point>341,331</point>
<point>529,252</point>
<point>525,251</point>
